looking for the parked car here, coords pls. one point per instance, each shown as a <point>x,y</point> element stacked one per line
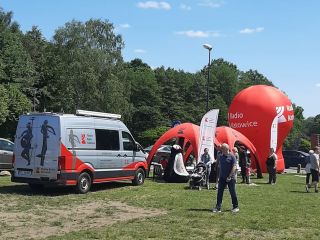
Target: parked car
<point>6,153</point>
<point>292,158</point>
<point>163,152</point>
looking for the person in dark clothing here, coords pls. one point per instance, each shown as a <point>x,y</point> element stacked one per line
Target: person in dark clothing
<point>272,166</point>
<point>228,167</point>
<point>244,162</point>
<point>169,174</point>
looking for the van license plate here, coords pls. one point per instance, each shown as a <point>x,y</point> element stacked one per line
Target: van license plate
<point>24,173</point>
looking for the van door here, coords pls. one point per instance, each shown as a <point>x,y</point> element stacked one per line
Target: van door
<point>37,147</point>
<point>108,149</point>
<point>128,146</point>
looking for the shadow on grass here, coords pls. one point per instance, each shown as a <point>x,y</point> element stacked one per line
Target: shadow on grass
<point>295,191</point>
<point>109,185</point>
<point>25,190</point>
<point>200,210</point>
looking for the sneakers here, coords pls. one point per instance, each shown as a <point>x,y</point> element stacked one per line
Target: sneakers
<point>307,188</point>
<point>216,210</point>
<point>235,210</point>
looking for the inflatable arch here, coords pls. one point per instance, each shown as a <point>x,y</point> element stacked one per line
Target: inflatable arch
<point>232,137</point>
<point>188,131</point>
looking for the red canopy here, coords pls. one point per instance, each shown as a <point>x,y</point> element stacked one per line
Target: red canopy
<point>188,131</point>
<point>231,137</point>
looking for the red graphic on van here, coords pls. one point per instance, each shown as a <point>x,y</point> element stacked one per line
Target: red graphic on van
<point>83,139</point>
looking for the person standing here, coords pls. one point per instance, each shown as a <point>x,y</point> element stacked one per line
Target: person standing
<point>206,159</point>
<point>243,162</point>
<point>248,167</point>
<point>228,167</point>
<point>308,171</point>
<point>314,167</point>
<point>236,155</point>
<point>272,166</point>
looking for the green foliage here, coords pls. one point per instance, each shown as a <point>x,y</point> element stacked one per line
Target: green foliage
<point>150,135</point>
<point>15,63</point>
<point>4,100</point>
<point>252,77</point>
<point>88,77</point>
<point>296,135</point>
<point>225,76</point>
<point>305,145</point>
<point>17,104</point>
<point>315,128</point>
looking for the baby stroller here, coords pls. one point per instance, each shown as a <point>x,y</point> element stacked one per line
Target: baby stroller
<point>199,177</point>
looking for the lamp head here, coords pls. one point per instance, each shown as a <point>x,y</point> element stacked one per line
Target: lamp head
<point>207,46</point>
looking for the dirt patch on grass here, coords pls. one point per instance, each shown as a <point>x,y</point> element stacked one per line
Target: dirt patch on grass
<point>40,222</point>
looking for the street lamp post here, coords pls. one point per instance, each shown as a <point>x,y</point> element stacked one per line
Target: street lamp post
<point>209,47</point>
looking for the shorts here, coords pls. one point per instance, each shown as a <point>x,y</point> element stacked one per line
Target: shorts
<point>315,175</point>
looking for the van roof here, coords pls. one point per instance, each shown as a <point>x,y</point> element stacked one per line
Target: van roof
<point>67,115</point>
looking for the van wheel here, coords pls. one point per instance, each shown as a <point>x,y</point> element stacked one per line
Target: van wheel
<point>84,183</point>
<point>36,187</point>
<point>139,177</point>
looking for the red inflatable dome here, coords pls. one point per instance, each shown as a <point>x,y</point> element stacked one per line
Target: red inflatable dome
<point>265,116</point>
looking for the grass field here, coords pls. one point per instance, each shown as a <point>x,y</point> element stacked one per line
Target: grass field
<point>160,211</point>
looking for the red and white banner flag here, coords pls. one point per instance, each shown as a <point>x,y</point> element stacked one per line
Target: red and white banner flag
<point>207,132</point>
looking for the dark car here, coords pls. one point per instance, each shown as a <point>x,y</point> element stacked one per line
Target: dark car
<point>163,152</point>
<point>6,153</point>
<point>292,158</point>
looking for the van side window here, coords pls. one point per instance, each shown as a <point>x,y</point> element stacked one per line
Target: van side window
<point>107,139</point>
<point>128,142</point>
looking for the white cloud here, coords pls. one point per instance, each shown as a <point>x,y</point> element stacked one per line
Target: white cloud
<point>210,3</point>
<point>139,50</point>
<point>185,7</point>
<point>318,85</point>
<point>125,25</point>
<point>198,34</point>
<point>251,30</point>
<point>154,5</point>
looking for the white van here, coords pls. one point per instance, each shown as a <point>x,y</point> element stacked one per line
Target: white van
<point>77,150</point>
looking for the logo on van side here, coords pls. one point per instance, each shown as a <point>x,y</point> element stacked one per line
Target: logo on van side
<point>83,139</point>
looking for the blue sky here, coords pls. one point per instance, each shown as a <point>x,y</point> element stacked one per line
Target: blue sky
<point>280,39</point>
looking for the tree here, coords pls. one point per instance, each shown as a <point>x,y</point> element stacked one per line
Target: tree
<point>144,96</point>
<point>4,100</point>
<point>224,79</point>
<point>40,53</point>
<point>315,128</point>
<point>15,64</point>
<point>294,138</point>
<point>89,76</point>
<point>252,77</point>
<point>17,104</point>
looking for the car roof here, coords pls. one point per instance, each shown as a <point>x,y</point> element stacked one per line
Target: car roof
<point>295,151</point>
<point>6,140</point>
